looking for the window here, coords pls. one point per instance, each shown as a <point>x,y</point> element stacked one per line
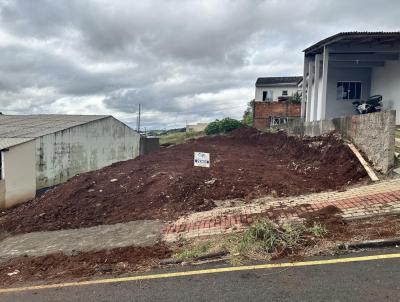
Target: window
<point>284,93</point>
<point>267,96</point>
<point>278,120</point>
<point>348,90</point>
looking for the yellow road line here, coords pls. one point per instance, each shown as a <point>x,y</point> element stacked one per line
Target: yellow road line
<point>203,272</point>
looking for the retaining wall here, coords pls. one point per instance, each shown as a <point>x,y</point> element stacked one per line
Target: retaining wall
<point>373,134</point>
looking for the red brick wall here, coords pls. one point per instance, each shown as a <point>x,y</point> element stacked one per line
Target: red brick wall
<point>264,110</point>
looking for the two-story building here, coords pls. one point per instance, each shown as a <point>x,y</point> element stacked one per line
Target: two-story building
<point>277,99</point>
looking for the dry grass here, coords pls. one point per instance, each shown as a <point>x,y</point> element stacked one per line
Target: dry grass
<point>263,240</point>
<point>179,137</point>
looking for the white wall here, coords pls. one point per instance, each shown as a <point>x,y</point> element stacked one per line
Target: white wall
<point>19,173</point>
<point>276,91</point>
<point>83,148</point>
<point>337,108</point>
<point>386,81</point>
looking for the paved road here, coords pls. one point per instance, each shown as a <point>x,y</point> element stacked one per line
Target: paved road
<point>376,280</point>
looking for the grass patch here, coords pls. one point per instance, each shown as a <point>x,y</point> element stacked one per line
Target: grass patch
<point>397,133</point>
<point>179,137</point>
<point>193,252</point>
<point>318,230</point>
<point>263,240</point>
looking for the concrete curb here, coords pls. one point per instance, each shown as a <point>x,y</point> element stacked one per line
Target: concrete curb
<point>198,258</point>
<point>370,244</point>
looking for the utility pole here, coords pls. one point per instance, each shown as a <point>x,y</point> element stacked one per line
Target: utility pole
<point>139,120</point>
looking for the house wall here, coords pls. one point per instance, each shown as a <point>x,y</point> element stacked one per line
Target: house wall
<point>19,183</point>
<point>337,108</point>
<point>264,110</point>
<point>386,82</point>
<point>277,91</point>
<point>87,147</point>
<point>196,127</point>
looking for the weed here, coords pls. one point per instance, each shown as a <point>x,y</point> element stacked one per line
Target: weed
<point>193,251</point>
<point>318,230</point>
<point>265,239</point>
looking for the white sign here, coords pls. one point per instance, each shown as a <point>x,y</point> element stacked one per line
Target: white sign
<point>202,159</point>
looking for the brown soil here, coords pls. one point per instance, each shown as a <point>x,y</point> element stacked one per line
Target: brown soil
<point>165,185</point>
<point>368,229</point>
<point>327,216</point>
<point>60,266</point>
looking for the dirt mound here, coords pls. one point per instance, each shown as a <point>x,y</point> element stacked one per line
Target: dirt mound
<point>60,266</point>
<point>165,185</point>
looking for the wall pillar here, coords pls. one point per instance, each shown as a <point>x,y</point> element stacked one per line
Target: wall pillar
<point>304,96</point>
<point>310,90</point>
<point>316,85</point>
<point>324,94</point>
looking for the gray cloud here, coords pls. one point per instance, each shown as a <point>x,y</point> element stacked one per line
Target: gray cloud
<point>182,60</point>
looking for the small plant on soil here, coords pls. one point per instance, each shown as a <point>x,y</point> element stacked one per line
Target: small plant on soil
<point>194,251</point>
<point>266,239</point>
<point>318,230</point>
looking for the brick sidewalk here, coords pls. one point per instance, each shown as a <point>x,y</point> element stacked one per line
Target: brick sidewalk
<point>359,202</point>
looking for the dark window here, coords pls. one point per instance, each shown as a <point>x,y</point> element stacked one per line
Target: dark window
<point>348,90</point>
<point>284,93</point>
<point>267,95</point>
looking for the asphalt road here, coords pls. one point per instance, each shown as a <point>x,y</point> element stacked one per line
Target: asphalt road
<point>374,280</point>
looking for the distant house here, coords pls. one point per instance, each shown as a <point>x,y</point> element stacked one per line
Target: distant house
<point>271,105</point>
<point>273,89</point>
<point>350,66</point>
<point>40,151</point>
<point>196,127</point>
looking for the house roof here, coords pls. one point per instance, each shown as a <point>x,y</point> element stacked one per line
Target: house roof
<point>7,142</point>
<point>17,129</point>
<point>290,81</point>
<point>352,36</point>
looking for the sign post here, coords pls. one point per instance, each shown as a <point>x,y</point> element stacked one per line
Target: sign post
<point>201,159</point>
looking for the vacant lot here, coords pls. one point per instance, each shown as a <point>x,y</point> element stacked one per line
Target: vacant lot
<point>165,185</point>
<point>179,137</point>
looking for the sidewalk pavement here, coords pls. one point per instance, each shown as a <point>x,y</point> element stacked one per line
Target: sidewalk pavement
<point>138,233</point>
<point>380,198</point>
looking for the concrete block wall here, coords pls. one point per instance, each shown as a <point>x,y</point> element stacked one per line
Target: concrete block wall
<point>149,144</point>
<point>263,111</point>
<point>373,134</point>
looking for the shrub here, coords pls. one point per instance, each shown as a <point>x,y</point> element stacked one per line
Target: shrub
<point>225,125</point>
<point>213,128</point>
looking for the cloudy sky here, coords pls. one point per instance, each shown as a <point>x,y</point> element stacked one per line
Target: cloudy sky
<point>191,61</point>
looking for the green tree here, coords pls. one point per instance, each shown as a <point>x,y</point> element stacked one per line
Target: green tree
<point>213,128</point>
<point>225,125</point>
<point>248,114</point>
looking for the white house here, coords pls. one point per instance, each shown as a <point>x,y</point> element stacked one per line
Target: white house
<point>350,66</point>
<point>272,89</point>
<point>39,151</point>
